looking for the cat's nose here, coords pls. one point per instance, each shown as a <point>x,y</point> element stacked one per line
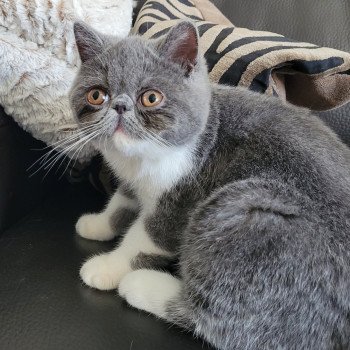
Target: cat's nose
<point>120,108</point>
<point>123,103</point>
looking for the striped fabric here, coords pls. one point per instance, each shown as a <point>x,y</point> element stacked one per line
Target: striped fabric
<point>259,60</point>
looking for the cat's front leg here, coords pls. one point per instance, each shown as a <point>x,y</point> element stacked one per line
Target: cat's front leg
<point>105,271</point>
<point>102,226</point>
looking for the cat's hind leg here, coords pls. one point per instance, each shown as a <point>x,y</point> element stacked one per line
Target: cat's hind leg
<point>253,275</point>
<point>150,290</point>
<point>260,271</point>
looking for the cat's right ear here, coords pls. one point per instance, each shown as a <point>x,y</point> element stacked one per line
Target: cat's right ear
<point>89,42</point>
<point>181,46</point>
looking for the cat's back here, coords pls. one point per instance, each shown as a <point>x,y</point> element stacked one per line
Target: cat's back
<point>267,137</point>
<point>243,112</point>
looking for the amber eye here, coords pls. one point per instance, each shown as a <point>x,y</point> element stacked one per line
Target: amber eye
<point>96,97</point>
<point>151,98</point>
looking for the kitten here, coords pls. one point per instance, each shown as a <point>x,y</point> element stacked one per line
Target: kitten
<point>249,195</point>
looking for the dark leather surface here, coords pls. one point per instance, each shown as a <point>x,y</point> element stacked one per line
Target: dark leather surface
<point>43,304</point>
<point>18,192</point>
<point>323,22</point>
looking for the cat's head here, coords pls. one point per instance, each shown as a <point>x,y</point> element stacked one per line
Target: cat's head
<point>137,94</point>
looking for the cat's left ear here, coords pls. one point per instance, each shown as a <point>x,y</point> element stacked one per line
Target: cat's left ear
<point>181,46</point>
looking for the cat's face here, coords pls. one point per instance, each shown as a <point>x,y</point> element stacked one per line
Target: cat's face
<point>141,94</point>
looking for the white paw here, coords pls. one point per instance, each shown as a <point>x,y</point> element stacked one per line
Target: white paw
<point>104,271</point>
<point>95,226</point>
<point>149,290</point>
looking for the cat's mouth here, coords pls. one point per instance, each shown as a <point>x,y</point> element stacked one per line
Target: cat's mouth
<point>123,126</point>
<point>119,128</point>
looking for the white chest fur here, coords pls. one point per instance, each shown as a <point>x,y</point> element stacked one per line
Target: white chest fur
<point>151,175</point>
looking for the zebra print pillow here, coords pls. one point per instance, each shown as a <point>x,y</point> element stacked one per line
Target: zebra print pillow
<point>303,73</point>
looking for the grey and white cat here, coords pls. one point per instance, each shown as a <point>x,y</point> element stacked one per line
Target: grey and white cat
<point>249,195</point>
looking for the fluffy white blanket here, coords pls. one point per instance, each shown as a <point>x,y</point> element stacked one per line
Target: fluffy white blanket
<point>38,59</point>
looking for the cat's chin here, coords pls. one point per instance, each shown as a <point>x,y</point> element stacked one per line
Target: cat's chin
<point>128,146</point>
<point>123,142</point>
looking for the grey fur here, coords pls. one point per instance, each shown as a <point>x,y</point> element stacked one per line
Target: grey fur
<point>151,261</point>
<point>122,219</point>
<point>261,226</point>
<point>127,191</point>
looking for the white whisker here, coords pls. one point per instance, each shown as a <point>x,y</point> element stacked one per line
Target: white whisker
<point>64,151</point>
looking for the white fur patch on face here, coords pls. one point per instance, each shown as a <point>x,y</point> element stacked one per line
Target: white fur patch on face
<point>129,146</point>
<point>126,144</point>
<point>150,290</point>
